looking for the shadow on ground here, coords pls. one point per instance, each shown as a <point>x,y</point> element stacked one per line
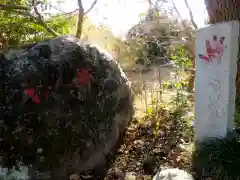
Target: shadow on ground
<point>217,159</point>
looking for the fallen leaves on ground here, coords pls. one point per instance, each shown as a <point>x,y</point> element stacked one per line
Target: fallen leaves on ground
<point>143,152</point>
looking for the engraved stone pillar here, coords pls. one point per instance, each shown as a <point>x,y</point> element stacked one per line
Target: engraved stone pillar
<point>216,69</point>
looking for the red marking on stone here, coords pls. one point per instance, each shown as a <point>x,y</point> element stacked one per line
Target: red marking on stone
<point>83,76</point>
<point>205,58</point>
<point>211,51</point>
<point>32,94</point>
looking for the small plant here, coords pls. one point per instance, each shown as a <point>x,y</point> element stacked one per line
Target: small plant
<point>180,58</point>
<point>180,100</point>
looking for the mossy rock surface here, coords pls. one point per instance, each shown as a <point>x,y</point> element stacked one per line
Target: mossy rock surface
<point>82,103</point>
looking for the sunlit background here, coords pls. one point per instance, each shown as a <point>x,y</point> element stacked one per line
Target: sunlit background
<point>121,15</point>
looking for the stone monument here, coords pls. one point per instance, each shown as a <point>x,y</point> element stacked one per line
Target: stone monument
<point>216,70</point>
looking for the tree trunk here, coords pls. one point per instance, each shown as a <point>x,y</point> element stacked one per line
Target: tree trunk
<point>190,46</point>
<point>79,24</point>
<point>223,11</point>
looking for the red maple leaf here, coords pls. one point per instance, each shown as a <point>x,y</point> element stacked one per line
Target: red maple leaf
<point>83,76</point>
<point>32,94</point>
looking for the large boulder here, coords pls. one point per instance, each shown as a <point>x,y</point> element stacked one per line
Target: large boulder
<point>63,106</point>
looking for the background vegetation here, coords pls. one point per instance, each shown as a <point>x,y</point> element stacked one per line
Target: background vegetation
<point>165,124</point>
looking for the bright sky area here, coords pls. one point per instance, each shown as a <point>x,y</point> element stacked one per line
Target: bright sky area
<point>120,15</point>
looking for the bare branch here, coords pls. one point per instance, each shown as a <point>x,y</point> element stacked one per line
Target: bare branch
<point>81,14</point>
<point>189,48</point>
<point>191,15</point>
<point>179,15</point>
<point>150,4</point>
<point>155,6</point>
<point>80,19</point>
<point>40,20</point>
<point>80,6</point>
<point>91,7</point>
<point>74,12</point>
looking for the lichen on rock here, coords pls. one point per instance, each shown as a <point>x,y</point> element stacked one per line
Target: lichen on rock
<point>63,105</point>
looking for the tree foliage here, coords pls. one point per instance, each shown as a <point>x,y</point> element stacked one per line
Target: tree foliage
<point>20,25</point>
<point>153,37</point>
